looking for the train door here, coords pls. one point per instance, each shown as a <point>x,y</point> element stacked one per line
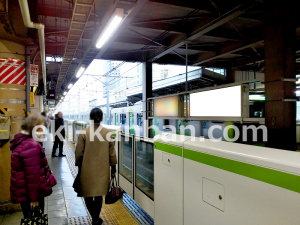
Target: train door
<point>104,119</point>
<point>123,121</point>
<point>131,123</point>
<point>116,119</point>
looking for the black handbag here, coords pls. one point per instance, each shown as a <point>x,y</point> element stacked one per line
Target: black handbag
<point>76,184</point>
<point>35,217</point>
<point>115,192</point>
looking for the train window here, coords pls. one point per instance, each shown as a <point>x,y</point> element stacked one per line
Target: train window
<point>131,123</point>
<point>125,157</point>
<point>140,119</point>
<point>123,118</point>
<point>166,122</point>
<point>144,172</point>
<point>116,119</point>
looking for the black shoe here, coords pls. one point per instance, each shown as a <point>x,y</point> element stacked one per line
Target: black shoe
<point>62,155</point>
<point>54,155</point>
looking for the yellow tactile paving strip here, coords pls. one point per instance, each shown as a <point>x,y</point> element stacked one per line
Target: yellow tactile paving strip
<point>111,214</point>
<point>116,214</point>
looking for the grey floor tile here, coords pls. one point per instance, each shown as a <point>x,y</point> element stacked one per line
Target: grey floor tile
<point>65,176</point>
<point>68,183</point>
<point>56,201</point>
<point>65,170</point>
<point>69,193</point>
<point>56,197</point>
<point>57,192</point>
<point>58,221</point>
<point>57,213</point>
<point>57,188</point>
<point>76,208</point>
<point>57,207</point>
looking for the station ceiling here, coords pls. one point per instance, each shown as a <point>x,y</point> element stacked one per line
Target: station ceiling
<point>212,33</point>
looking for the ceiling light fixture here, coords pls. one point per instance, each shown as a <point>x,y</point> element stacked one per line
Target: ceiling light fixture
<point>69,86</point>
<point>80,71</point>
<point>111,26</point>
<point>65,93</point>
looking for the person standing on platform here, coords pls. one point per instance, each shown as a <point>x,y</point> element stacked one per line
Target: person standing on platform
<point>30,172</point>
<point>94,157</point>
<point>59,135</point>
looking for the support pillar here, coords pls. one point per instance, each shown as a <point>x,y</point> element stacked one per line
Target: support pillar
<point>230,75</point>
<point>280,62</point>
<point>147,93</point>
<point>27,68</point>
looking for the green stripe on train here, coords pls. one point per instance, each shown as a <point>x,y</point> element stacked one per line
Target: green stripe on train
<point>168,148</point>
<point>274,177</point>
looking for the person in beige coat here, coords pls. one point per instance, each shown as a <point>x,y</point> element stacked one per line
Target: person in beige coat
<point>95,154</point>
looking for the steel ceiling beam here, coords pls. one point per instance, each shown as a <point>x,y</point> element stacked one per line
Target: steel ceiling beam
<point>227,50</point>
<point>224,18</point>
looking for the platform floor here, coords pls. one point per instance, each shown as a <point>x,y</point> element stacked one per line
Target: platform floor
<point>63,206</point>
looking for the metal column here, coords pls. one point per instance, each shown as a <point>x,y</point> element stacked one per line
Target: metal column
<point>186,65</point>
<point>147,93</point>
<point>280,64</point>
<point>27,66</point>
<point>107,105</point>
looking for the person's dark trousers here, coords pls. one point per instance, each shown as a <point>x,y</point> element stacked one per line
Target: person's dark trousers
<point>94,205</point>
<point>26,207</point>
<point>57,143</point>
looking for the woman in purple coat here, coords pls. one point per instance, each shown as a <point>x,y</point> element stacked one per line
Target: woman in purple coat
<point>31,178</point>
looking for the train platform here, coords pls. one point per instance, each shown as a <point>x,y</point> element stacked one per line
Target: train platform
<point>64,207</point>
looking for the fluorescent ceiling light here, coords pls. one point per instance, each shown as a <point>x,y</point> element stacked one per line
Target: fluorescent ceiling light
<point>70,85</point>
<point>80,71</point>
<point>62,97</point>
<point>110,28</point>
<point>65,93</point>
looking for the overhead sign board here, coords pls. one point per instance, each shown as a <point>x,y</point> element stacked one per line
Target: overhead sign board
<point>222,102</point>
<point>166,107</point>
<point>34,75</point>
<point>51,102</point>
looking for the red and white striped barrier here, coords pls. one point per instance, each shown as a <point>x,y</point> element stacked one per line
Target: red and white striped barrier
<point>12,71</point>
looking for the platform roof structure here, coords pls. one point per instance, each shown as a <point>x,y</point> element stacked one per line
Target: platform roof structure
<point>218,33</point>
<point>223,34</point>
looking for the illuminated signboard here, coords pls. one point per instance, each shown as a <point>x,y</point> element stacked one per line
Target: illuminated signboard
<point>51,102</point>
<point>222,102</point>
<point>166,107</point>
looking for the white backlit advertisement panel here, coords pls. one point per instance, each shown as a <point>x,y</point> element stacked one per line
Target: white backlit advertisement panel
<point>223,102</point>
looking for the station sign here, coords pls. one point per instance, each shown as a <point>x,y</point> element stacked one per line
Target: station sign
<point>51,94</point>
<point>34,75</point>
<point>51,102</point>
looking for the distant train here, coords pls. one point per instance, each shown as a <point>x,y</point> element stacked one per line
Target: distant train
<point>130,118</point>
